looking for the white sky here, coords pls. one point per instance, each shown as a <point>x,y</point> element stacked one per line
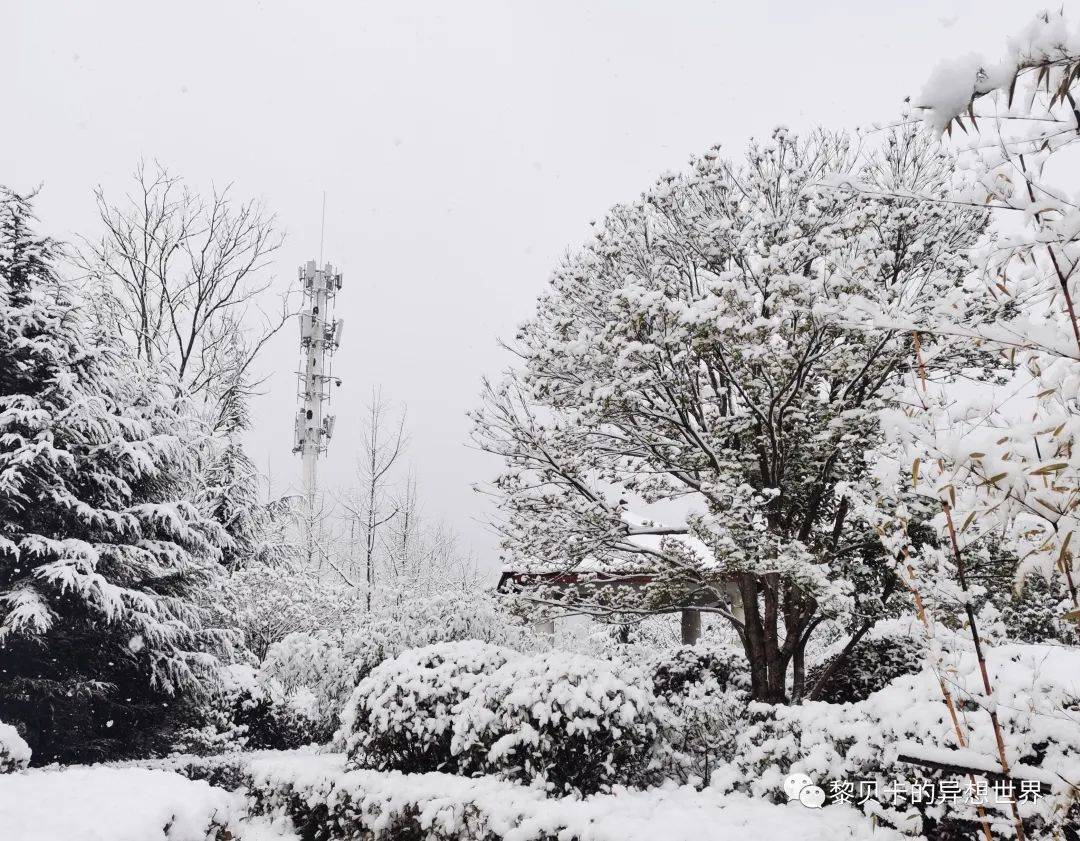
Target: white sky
<point>464,146</point>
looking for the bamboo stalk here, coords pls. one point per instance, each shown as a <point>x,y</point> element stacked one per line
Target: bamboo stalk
<point>961,739</point>
<point>973,626</point>
<point>924,618</point>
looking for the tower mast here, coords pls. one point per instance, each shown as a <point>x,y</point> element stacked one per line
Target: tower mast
<point>320,336</point>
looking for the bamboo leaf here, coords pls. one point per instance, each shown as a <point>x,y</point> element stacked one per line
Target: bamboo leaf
<point>1050,468</point>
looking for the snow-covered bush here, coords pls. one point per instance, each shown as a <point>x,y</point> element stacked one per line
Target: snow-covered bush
<point>249,712</point>
<point>14,752</point>
<point>1035,613</point>
<point>325,666</point>
<point>325,802</point>
<point>401,716</point>
<point>267,601</point>
<point>871,665</point>
<point>705,689</point>
<point>416,622</point>
<point>95,803</point>
<point>567,723</point>
<point>330,663</point>
<point>841,745</point>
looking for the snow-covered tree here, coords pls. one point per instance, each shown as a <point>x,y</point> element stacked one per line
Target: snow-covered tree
<point>694,400</point>
<point>230,491</point>
<point>101,559</point>
<point>268,599</point>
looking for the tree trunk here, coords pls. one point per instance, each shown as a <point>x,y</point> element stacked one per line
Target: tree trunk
<point>768,664</point>
<point>690,626</point>
<point>798,673</point>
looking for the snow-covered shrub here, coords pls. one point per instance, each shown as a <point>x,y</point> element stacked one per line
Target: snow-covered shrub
<point>839,744</point>
<point>102,803</point>
<point>330,663</point>
<point>425,620</point>
<point>871,665</point>
<point>325,666</point>
<point>248,712</point>
<point>268,601</point>
<point>705,689</point>
<point>567,723</point>
<point>14,752</point>
<point>327,803</point>
<point>400,717</point>
<point>1036,612</point>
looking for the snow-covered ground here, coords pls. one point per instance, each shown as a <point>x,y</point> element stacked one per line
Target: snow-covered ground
<point>101,803</point>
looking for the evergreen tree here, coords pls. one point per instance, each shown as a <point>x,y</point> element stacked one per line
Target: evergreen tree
<point>101,558</point>
<point>229,491</point>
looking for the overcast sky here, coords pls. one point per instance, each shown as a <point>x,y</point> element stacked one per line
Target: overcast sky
<point>463,146</point>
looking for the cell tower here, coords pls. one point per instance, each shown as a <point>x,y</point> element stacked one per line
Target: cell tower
<point>320,335</point>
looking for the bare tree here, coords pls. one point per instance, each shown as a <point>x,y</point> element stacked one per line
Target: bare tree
<point>393,550</point>
<point>405,534</point>
<point>182,279</point>
<point>425,558</point>
<point>371,505</point>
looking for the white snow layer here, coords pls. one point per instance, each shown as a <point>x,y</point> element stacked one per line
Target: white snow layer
<point>98,803</point>
<point>14,752</point>
<point>485,807</point>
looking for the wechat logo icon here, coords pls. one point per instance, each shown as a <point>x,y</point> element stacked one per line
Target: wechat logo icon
<point>800,787</point>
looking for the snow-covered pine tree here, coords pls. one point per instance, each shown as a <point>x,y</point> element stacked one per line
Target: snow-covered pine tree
<point>229,489</point>
<point>100,559</point>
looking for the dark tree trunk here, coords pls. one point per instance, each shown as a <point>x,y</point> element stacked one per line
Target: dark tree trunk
<point>768,659</point>
<point>798,674</point>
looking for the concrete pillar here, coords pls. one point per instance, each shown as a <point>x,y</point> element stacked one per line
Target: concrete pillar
<point>734,597</point>
<point>545,628</point>
<point>691,626</point>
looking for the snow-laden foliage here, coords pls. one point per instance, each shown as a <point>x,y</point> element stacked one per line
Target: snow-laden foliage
<point>694,396</point>
<point>101,555</point>
<point>268,600</point>
<point>1039,707</point>
<point>229,488</point>
<point>329,802</point>
<point>413,622</point>
<point>326,666</point>
<point>1005,461</point>
<point>329,663</point>
<point>876,660</point>
<point>14,752</point>
<point>401,716</point>
<point>1036,612</point>
<point>705,689</point>
<point>245,711</point>
<point>565,723</point>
